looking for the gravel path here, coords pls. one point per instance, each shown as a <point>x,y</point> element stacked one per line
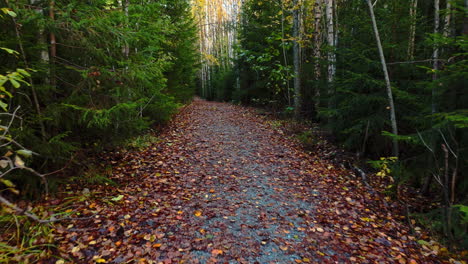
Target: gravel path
<point>225,186</point>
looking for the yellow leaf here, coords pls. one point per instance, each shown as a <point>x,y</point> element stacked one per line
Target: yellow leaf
<point>19,162</point>
<point>198,213</point>
<point>60,261</point>
<point>75,249</point>
<point>100,260</point>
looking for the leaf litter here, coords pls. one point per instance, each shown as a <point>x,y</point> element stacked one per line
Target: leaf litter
<point>224,186</point>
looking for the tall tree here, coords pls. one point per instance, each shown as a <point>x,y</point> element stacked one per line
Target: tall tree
<point>391,104</point>
<point>435,55</point>
<point>296,55</point>
<point>413,18</point>
<point>317,49</point>
<point>331,52</point>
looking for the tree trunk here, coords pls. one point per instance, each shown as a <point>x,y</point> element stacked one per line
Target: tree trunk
<point>53,46</point>
<point>331,52</point>
<point>412,33</point>
<point>284,53</point>
<point>448,19</point>
<point>435,56</point>
<point>297,66</point>
<point>387,80</point>
<point>317,49</point>
<point>126,47</point>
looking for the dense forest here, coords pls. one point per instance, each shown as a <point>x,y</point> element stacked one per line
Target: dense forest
<point>81,75</point>
<point>383,80</point>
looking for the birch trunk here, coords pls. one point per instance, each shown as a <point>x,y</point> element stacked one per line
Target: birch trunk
<point>317,49</point>
<point>435,56</point>
<point>412,35</point>
<point>331,52</point>
<point>448,19</point>
<point>296,54</point>
<point>393,120</point>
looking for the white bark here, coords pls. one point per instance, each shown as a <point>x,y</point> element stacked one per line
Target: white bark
<point>435,56</point>
<point>331,52</point>
<point>317,49</point>
<point>296,55</point>
<point>393,120</point>
<point>448,18</point>
<point>412,35</point>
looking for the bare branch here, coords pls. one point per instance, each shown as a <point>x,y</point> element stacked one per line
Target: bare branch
<point>425,144</point>
<point>447,144</point>
<point>13,116</point>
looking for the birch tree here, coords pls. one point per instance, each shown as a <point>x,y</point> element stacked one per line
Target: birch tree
<point>331,53</point>
<point>435,55</point>
<point>296,58</point>
<point>317,38</point>
<point>412,35</point>
<point>393,120</point>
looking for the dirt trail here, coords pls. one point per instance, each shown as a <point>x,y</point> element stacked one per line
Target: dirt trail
<point>224,186</point>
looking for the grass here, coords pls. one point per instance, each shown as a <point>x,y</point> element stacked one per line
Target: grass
<point>141,142</point>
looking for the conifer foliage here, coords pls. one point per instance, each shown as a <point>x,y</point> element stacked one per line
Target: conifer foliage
<point>101,70</point>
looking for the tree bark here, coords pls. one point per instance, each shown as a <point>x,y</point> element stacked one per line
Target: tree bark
<point>297,64</point>
<point>317,49</point>
<point>53,46</point>
<point>393,120</point>
<point>448,19</point>
<point>331,52</point>
<point>126,47</point>
<point>412,35</point>
<point>284,53</point>
<point>435,56</point>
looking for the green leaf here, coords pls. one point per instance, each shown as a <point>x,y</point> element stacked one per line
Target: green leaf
<point>23,72</point>
<point>15,83</point>
<point>25,153</point>
<point>7,183</point>
<point>11,13</point>
<point>118,198</point>
<point>10,51</point>
<point>424,243</point>
<point>3,105</point>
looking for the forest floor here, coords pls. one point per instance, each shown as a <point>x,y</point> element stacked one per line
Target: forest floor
<point>225,186</point>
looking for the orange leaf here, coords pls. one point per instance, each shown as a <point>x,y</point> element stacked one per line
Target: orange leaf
<point>198,213</point>
<point>216,252</point>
